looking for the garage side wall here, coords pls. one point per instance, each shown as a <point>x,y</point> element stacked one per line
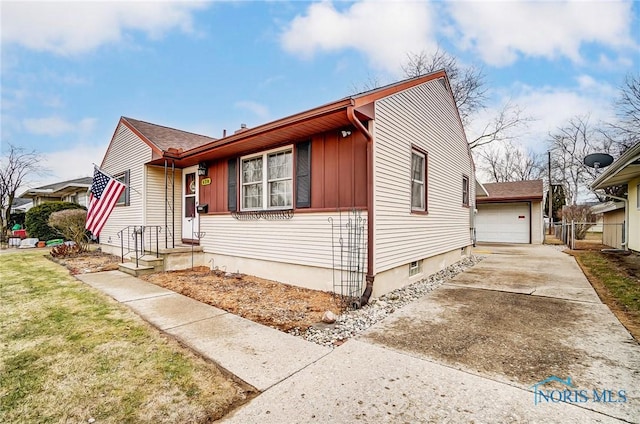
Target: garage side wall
<point>537,223</point>
<point>423,117</point>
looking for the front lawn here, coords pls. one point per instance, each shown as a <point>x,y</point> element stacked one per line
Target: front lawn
<point>70,354</point>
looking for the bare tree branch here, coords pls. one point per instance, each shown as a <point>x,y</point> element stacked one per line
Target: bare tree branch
<point>15,166</point>
<point>469,91</point>
<point>509,162</point>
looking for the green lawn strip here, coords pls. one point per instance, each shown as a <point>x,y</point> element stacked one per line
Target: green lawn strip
<point>625,290</point>
<point>70,353</point>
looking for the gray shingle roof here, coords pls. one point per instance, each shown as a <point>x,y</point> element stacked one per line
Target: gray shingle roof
<point>165,137</point>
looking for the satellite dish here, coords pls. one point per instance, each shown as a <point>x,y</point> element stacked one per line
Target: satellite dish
<point>598,160</point>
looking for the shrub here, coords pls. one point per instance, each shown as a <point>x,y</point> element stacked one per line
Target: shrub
<point>70,224</point>
<point>64,250</point>
<point>37,219</point>
<point>582,216</point>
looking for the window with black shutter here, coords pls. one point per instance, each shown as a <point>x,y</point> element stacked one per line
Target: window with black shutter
<point>303,175</point>
<point>232,203</point>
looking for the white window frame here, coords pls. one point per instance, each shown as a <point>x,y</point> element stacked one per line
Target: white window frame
<point>122,200</point>
<point>415,268</point>
<point>265,179</point>
<point>465,194</point>
<point>423,155</point>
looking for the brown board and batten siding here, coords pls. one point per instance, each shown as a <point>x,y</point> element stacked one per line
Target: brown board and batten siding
<point>126,153</point>
<point>425,117</point>
<point>338,175</point>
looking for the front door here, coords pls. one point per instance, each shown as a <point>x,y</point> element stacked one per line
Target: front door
<point>189,203</point>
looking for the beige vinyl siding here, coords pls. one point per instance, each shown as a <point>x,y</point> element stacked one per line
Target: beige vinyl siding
<point>126,152</point>
<point>304,239</point>
<point>425,117</point>
<point>612,228</point>
<point>155,200</point>
<point>537,223</point>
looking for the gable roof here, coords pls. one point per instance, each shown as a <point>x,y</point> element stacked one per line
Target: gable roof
<point>512,191</point>
<point>346,112</point>
<point>165,138</point>
<point>623,169</point>
<point>59,189</point>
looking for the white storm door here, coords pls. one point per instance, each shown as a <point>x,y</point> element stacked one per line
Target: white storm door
<point>189,203</point>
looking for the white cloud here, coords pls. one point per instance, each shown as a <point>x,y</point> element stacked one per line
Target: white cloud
<point>55,126</point>
<point>501,31</point>
<point>57,166</point>
<point>257,109</point>
<point>78,27</point>
<point>384,31</point>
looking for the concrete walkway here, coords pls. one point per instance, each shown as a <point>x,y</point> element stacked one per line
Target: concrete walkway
<point>259,355</point>
<point>376,379</point>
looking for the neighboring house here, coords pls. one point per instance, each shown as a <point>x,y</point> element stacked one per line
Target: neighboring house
<point>273,196</point>
<point>510,212</point>
<point>74,191</point>
<point>626,171</point>
<point>21,205</point>
<point>612,223</point>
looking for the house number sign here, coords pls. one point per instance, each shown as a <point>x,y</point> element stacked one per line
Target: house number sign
<point>206,181</point>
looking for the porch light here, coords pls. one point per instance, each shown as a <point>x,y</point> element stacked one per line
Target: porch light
<point>202,169</point>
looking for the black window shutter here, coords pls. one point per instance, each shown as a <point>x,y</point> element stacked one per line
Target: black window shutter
<point>127,191</point>
<point>303,175</point>
<point>232,203</point>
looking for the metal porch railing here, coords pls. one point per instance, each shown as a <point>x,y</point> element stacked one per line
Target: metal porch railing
<point>140,239</point>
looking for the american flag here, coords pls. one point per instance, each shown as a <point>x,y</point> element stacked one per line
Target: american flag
<point>105,192</point>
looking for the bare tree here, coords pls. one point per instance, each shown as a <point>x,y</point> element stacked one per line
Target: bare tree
<point>372,82</point>
<point>468,87</point>
<point>568,146</point>
<point>625,131</point>
<point>510,162</point>
<point>15,165</point>
<point>467,84</point>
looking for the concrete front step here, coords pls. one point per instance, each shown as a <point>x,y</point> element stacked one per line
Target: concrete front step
<point>150,260</point>
<point>131,269</point>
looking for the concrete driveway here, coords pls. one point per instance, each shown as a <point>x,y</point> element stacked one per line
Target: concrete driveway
<point>473,350</point>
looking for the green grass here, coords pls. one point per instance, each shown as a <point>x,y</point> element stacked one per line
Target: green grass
<point>70,353</point>
<point>623,288</point>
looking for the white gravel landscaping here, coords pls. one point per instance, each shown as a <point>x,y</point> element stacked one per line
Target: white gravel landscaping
<point>351,323</point>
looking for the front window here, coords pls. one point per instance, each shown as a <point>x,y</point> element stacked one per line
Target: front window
<point>418,181</point>
<point>267,181</point>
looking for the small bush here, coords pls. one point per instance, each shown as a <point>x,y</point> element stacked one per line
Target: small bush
<point>70,224</point>
<point>582,216</point>
<point>37,219</point>
<point>64,250</point>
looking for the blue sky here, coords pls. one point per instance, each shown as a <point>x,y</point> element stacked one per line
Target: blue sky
<point>71,69</point>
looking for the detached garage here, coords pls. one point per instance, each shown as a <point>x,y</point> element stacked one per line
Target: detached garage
<point>510,212</point>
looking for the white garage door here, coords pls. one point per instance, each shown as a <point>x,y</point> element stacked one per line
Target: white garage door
<point>503,223</point>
